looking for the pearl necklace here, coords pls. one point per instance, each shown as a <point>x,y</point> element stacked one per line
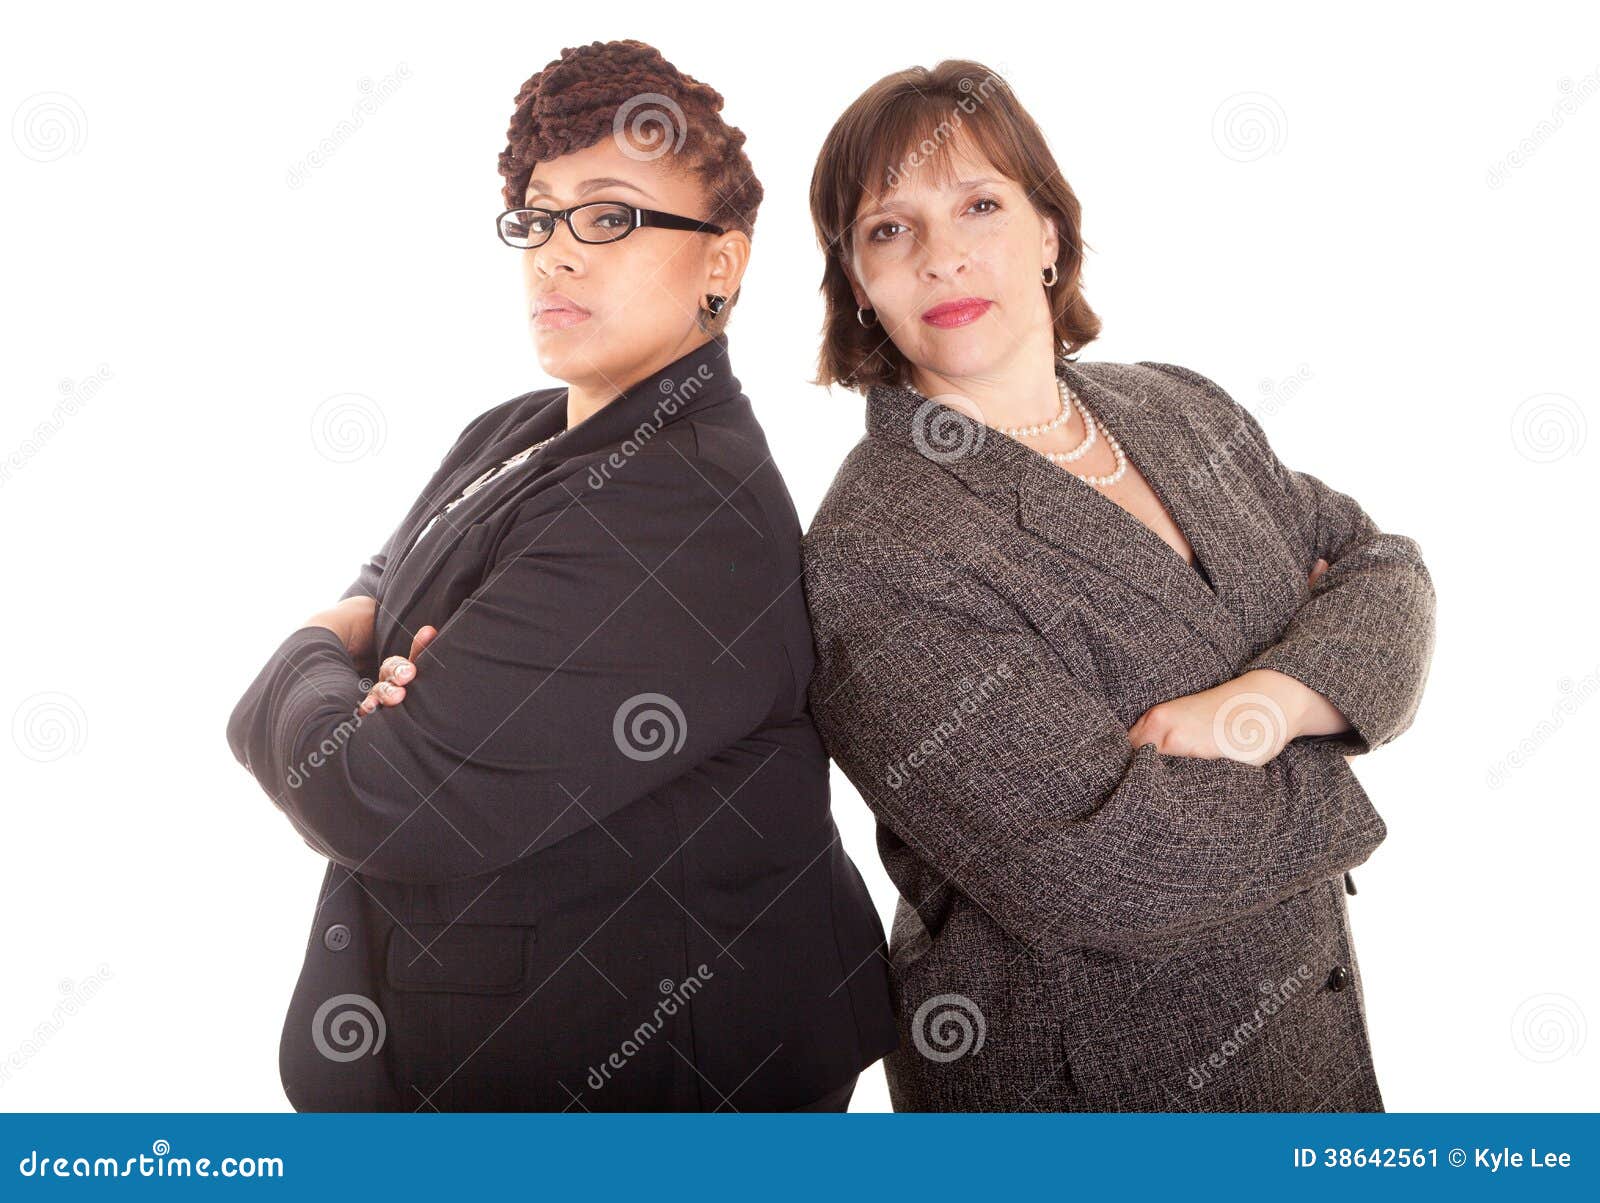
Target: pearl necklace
<point>1090,425</point>
<point>1062,414</point>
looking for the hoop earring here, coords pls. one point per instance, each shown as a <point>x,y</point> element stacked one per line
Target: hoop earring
<point>864,321</point>
<point>1049,281</point>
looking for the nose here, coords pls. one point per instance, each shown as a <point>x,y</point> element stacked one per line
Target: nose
<point>560,252</point>
<point>944,255</point>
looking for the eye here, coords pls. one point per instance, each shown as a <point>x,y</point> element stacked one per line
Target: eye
<point>878,234</point>
<point>985,200</point>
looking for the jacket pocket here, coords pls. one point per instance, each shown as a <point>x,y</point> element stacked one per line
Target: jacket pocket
<point>463,958</point>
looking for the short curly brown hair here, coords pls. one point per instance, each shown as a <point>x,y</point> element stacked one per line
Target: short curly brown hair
<point>627,90</point>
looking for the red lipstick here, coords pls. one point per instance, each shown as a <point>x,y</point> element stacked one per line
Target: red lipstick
<point>958,312</point>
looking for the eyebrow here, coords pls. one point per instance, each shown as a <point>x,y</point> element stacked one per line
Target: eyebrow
<point>588,186</point>
<point>958,186</point>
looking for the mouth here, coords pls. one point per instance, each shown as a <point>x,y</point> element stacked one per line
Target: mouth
<point>957,312</point>
<point>553,311</point>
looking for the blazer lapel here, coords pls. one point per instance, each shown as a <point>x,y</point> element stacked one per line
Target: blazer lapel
<point>412,564</point>
<point>698,379</point>
<point>1052,503</point>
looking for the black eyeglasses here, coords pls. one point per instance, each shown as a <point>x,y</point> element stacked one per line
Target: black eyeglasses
<point>597,221</point>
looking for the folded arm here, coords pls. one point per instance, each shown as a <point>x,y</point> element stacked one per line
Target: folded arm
<point>971,740</point>
<point>1364,636</point>
<point>619,637</point>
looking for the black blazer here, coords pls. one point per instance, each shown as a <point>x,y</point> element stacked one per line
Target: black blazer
<point>589,862</point>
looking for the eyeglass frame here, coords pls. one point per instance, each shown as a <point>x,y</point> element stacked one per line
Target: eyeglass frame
<point>639,217</point>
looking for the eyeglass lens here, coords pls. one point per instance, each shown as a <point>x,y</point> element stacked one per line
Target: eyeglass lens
<point>599,222</point>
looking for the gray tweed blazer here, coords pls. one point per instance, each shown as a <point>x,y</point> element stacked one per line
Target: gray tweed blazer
<point>1085,926</point>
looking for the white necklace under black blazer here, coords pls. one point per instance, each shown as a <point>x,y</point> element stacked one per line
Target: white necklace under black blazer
<point>602,800</point>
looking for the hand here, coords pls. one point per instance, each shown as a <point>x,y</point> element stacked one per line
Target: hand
<point>394,674</point>
<point>1250,718</point>
<point>354,621</point>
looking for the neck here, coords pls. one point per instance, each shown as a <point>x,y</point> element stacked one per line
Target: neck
<point>588,397</point>
<point>1020,392</point>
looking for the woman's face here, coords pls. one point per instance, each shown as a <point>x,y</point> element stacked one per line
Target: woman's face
<point>629,306</point>
<point>953,269</point>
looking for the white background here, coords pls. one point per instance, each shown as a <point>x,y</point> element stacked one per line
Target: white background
<point>1394,205</point>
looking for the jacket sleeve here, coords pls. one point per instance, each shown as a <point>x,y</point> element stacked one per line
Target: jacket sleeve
<point>622,633</point>
<point>366,582</point>
<point>968,736</point>
<point>1363,637</point>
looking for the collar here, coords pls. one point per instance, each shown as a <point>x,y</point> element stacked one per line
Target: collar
<point>693,382</point>
<point>689,384</point>
<point>1146,417</point>
<point>948,431</point>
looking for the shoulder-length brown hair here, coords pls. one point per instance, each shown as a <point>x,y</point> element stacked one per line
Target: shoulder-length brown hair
<point>899,123</point>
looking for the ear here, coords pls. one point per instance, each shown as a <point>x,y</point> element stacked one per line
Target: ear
<point>1051,248</point>
<point>856,291</point>
<point>727,259</point>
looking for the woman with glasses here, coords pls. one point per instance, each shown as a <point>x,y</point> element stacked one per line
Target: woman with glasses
<point>1093,655</point>
<point>581,850</point>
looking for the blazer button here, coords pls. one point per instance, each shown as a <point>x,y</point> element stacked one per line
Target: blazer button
<point>1349,884</point>
<point>336,937</point>
<point>1339,978</point>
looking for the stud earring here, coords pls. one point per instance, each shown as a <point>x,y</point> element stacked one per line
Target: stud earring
<point>864,320</point>
<point>714,303</point>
